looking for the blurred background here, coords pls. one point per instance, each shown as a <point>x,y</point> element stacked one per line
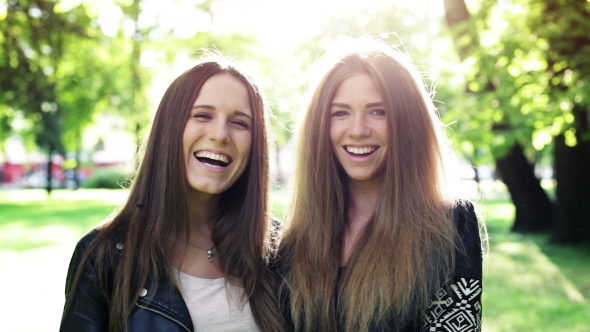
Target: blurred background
<point>80,81</point>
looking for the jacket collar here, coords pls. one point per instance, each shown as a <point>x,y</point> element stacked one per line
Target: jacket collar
<point>164,298</point>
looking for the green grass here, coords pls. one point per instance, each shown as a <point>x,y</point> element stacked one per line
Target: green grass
<point>280,200</point>
<point>37,237</point>
<point>530,285</point>
<point>28,220</point>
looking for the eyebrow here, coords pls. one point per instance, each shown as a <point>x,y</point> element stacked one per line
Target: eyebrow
<point>369,105</point>
<point>204,106</point>
<point>209,107</point>
<point>240,113</point>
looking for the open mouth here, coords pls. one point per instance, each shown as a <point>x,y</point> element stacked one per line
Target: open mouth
<point>211,159</point>
<point>360,151</point>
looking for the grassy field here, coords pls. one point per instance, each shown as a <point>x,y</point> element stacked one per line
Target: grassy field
<point>529,284</point>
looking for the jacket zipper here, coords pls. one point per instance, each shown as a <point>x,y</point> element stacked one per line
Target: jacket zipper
<point>163,314</point>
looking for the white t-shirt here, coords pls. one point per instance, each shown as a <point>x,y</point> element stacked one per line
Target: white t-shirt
<point>212,308</point>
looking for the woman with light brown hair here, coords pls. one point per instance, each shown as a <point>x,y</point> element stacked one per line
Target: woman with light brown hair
<point>377,241</point>
<point>188,250</point>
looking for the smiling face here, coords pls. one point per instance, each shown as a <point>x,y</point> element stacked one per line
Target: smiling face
<point>217,137</point>
<point>358,128</point>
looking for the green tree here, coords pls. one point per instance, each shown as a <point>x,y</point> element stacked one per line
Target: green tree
<point>525,69</point>
<point>86,89</point>
<point>61,73</point>
<point>150,35</point>
<point>489,107</point>
<point>36,37</point>
<point>564,26</point>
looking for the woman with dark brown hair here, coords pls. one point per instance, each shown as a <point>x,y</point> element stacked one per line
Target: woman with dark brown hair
<point>377,240</point>
<point>189,248</point>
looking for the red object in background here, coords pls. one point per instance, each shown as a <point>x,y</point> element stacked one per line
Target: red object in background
<point>12,172</point>
<point>58,173</point>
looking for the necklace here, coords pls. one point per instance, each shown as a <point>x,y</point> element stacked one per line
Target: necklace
<point>208,250</point>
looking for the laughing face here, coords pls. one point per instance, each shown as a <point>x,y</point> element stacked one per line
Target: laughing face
<point>358,128</point>
<point>218,135</point>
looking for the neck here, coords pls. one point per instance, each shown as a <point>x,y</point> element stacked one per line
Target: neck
<point>363,196</point>
<point>201,207</point>
<point>189,258</point>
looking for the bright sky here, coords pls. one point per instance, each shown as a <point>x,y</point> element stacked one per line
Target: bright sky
<point>279,25</point>
<point>285,22</point>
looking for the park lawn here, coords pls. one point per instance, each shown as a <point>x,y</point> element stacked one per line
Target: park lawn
<point>25,227</point>
<point>529,285</point>
<point>37,237</point>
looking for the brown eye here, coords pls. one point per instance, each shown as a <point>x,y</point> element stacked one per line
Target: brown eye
<point>378,112</point>
<point>202,116</point>
<point>339,113</point>
<point>241,124</point>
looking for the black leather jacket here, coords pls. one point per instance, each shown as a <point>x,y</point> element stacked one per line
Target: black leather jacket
<point>158,309</point>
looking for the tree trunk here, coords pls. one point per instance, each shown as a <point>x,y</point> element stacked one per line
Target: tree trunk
<point>572,173</point>
<point>457,18</point>
<point>455,12</point>
<point>48,186</point>
<point>77,167</point>
<point>534,212</point>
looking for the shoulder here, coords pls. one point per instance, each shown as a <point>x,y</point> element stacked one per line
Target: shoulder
<point>470,251</point>
<point>467,222</point>
<point>83,245</point>
<point>86,300</point>
<point>464,209</point>
<point>460,299</point>
<point>110,246</point>
<point>95,261</point>
<point>87,239</point>
<point>81,260</point>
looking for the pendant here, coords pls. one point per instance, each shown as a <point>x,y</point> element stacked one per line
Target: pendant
<point>210,255</point>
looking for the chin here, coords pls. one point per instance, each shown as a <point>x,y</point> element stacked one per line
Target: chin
<point>208,189</point>
<point>365,177</point>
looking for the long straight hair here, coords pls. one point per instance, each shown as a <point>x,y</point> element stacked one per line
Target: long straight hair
<point>240,227</point>
<point>408,249</point>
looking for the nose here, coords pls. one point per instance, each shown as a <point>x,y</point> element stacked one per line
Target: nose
<point>359,126</point>
<point>219,132</point>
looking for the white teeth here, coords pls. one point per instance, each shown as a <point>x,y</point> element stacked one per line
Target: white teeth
<point>355,150</point>
<point>211,155</point>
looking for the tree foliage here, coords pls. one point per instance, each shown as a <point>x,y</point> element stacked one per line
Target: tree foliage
<point>35,41</point>
<point>525,74</point>
<point>525,71</point>
<point>63,67</point>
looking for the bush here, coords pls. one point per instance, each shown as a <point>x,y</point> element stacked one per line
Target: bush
<point>108,179</point>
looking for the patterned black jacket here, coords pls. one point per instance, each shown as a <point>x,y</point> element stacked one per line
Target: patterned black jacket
<point>457,306</point>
